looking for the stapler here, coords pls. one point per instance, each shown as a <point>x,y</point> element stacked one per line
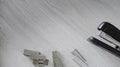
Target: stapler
<point>114,49</point>
<point>109,30</point>
<point>109,33</point>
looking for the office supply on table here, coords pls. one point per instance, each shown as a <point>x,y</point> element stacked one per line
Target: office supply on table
<point>39,60</point>
<point>110,30</point>
<point>109,33</point>
<point>113,49</point>
<point>79,59</point>
<point>56,59</point>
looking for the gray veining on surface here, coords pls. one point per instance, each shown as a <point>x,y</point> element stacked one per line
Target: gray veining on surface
<point>47,25</point>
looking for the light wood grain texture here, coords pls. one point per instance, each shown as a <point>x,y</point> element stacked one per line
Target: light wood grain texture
<point>47,25</point>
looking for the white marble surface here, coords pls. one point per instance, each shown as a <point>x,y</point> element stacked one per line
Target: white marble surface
<point>62,25</point>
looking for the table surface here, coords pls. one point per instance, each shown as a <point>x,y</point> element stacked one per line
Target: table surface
<point>55,25</point>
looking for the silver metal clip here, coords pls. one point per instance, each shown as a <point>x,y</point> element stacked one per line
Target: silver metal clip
<point>39,60</point>
<point>79,59</point>
<point>56,59</point>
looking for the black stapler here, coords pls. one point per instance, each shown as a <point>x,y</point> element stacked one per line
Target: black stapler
<point>110,30</point>
<point>109,33</point>
<point>112,49</point>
